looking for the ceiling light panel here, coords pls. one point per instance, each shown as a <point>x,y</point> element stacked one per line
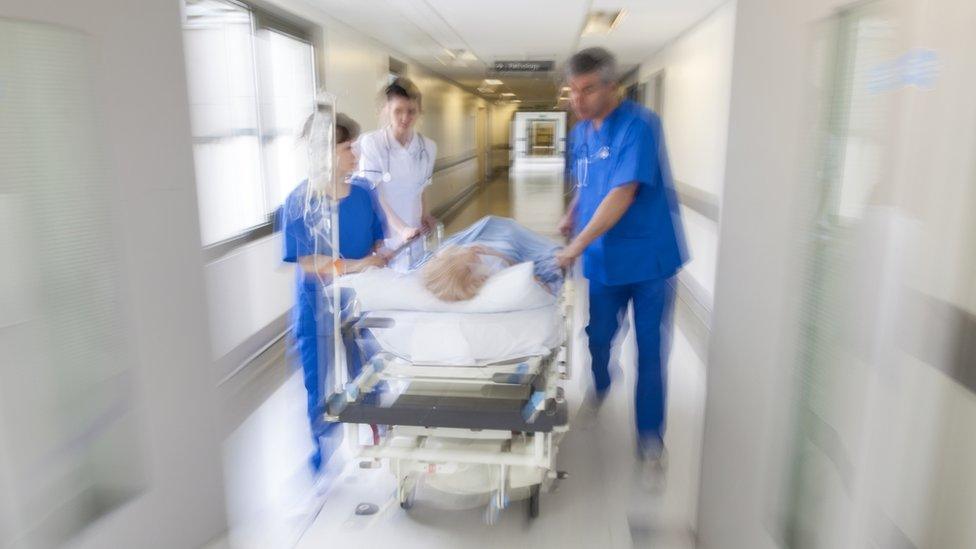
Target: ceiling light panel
<point>601,22</point>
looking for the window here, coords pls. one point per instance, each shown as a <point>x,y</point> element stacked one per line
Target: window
<point>832,361</point>
<point>250,85</point>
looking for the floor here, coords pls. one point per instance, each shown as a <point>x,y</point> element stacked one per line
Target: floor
<point>596,506</point>
<point>533,198</point>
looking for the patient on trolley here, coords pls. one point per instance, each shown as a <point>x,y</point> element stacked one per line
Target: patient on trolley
<point>462,266</point>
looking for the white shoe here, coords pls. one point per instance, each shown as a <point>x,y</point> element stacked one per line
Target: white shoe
<point>654,469</point>
<point>595,400</point>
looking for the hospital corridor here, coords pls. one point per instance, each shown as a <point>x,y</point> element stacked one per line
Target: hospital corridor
<point>668,274</point>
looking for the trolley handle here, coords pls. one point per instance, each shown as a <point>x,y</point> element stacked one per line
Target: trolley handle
<point>423,233</point>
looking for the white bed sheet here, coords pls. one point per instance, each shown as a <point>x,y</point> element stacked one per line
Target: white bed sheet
<point>462,339</point>
<point>400,368</point>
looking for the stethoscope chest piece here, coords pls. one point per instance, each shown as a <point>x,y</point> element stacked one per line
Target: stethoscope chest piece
<point>604,153</point>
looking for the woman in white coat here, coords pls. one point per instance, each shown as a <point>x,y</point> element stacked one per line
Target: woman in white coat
<point>399,162</point>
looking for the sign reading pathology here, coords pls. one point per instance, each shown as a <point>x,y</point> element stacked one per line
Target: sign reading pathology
<point>523,66</point>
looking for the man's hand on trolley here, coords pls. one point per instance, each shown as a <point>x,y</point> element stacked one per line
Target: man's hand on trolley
<point>567,256</point>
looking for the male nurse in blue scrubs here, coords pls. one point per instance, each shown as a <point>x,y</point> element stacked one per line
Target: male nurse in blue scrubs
<point>626,226</point>
<point>360,248</point>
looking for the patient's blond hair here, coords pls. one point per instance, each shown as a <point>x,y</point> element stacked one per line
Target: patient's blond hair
<point>454,274</point>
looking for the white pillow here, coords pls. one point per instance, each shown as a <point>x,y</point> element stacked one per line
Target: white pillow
<point>511,289</point>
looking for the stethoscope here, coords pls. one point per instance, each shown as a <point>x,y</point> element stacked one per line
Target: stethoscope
<point>584,160</point>
<point>386,176</point>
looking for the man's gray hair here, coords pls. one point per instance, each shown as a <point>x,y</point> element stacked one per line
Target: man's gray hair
<point>593,60</point>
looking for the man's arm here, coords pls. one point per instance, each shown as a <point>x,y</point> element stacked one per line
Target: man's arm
<point>607,214</point>
<point>566,224</point>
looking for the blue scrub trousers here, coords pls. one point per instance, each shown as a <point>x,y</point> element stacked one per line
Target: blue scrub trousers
<point>653,301</point>
<point>313,337</point>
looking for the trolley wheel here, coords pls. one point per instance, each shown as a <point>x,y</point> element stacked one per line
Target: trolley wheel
<point>407,492</point>
<point>534,497</point>
<point>407,504</point>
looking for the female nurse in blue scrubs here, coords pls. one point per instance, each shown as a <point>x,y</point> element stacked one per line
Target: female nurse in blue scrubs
<point>307,245</point>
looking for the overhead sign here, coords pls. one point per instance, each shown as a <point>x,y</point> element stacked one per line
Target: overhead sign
<point>524,66</point>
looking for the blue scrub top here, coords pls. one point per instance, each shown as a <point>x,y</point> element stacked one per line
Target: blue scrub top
<point>647,242</point>
<point>360,227</point>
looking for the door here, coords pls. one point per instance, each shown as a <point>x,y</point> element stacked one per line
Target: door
<point>481,143</point>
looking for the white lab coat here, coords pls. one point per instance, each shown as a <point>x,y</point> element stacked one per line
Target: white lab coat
<point>410,169</point>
